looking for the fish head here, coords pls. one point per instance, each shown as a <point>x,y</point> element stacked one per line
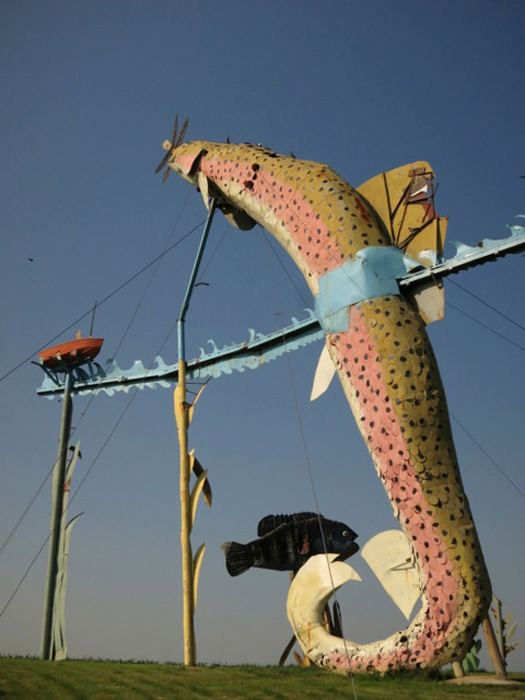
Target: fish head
<point>340,539</point>
<point>185,159</point>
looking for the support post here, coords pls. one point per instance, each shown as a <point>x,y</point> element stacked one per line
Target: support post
<point>493,649</point>
<point>457,667</point>
<point>500,635</point>
<point>46,650</point>
<point>181,416</point>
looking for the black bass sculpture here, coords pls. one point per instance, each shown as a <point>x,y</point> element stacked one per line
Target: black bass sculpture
<point>286,542</point>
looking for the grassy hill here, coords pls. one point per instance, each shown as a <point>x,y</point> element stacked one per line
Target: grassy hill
<point>105,680</point>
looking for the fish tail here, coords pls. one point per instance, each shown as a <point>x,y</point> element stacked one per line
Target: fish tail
<point>238,557</point>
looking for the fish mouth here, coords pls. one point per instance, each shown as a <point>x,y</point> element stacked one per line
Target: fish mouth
<point>348,552</point>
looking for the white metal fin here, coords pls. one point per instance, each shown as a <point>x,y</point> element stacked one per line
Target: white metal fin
<point>203,187</point>
<point>389,556</point>
<point>323,374</point>
<point>430,300</point>
<point>315,582</point>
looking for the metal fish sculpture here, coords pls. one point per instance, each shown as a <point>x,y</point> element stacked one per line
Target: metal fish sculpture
<point>290,544</point>
<point>351,257</point>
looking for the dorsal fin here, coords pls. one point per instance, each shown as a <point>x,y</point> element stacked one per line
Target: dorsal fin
<point>271,522</point>
<point>404,199</point>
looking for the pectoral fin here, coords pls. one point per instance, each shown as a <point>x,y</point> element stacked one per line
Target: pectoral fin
<point>203,187</point>
<point>389,556</point>
<point>237,217</point>
<point>323,374</point>
<point>429,298</point>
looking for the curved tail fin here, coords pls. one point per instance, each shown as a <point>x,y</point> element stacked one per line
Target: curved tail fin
<point>238,558</point>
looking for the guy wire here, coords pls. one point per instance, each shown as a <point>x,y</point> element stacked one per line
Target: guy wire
<point>133,396</point>
<point>106,298</point>
<point>314,492</point>
<point>167,248</point>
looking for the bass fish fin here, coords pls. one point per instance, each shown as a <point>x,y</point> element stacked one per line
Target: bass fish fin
<point>238,559</point>
<point>389,556</point>
<point>270,522</point>
<point>404,199</point>
<point>323,374</point>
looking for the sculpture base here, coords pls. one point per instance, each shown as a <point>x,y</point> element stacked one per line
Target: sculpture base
<point>484,679</point>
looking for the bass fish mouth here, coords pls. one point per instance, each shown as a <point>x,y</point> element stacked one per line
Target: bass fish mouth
<point>348,552</point>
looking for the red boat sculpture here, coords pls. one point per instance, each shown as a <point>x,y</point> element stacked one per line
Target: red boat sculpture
<point>74,352</point>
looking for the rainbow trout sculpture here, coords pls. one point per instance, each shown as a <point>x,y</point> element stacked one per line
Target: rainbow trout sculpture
<point>351,246</point>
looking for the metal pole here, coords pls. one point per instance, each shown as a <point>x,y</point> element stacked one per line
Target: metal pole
<point>181,416</point>
<point>194,272</point>
<point>56,515</point>
<point>499,627</point>
<point>493,649</point>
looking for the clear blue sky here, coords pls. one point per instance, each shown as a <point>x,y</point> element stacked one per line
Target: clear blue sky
<point>89,92</point>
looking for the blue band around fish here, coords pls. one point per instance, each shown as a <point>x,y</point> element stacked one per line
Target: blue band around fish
<point>372,273</point>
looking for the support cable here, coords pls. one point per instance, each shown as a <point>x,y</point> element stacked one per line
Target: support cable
<point>283,267</point>
<point>492,308</point>
<point>316,502</point>
<point>73,496</point>
<point>500,335</point>
<point>314,492</point>
<point>153,275</point>
<point>13,594</point>
<point>459,423</point>
<point>335,260</point>
<point>487,327</point>
<point>111,433</point>
<point>487,455</point>
<point>215,251</point>
<point>25,512</point>
<point>167,248</point>
<point>106,298</point>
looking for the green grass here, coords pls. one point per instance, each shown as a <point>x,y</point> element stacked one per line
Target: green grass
<point>97,680</point>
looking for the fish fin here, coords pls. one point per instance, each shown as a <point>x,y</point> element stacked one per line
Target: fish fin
<point>338,620</point>
<point>203,187</point>
<point>237,217</point>
<point>315,582</point>
<point>238,559</point>
<point>271,522</point>
<point>404,200</point>
<point>267,524</point>
<point>429,298</point>
<point>389,556</point>
<point>191,168</point>
<point>323,374</point>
